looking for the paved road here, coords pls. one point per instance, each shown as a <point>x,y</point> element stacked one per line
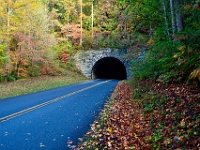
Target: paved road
<point>49,119</point>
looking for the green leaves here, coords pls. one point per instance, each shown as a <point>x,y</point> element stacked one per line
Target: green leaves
<point>170,56</point>
<point>162,117</point>
<point>3,56</point>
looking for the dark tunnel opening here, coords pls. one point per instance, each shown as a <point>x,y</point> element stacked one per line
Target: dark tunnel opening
<point>109,68</point>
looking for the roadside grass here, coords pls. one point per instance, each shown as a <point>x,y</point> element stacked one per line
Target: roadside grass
<point>147,115</point>
<point>35,84</point>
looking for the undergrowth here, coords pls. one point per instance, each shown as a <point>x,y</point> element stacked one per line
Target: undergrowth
<point>147,115</point>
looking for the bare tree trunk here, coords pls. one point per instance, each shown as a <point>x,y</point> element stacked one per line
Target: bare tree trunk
<point>166,20</point>
<point>179,16</point>
<point>81,38</point>
<point>92,19</point>
<point>173,16</point>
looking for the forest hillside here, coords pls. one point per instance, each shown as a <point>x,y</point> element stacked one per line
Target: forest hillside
<point>41,37</point>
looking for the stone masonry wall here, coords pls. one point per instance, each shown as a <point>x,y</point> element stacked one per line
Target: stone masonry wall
<point>85,60</point>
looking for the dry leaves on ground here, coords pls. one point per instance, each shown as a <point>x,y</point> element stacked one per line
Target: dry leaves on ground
<point>146,116</point>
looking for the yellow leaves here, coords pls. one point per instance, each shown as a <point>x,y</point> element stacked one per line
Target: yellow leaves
<point>167,141</point>
<point>188,6</point>
<point>182,48</point>
<point>109,129</point>
<point>2,49</point>
<point>135,135</point>
<point>88,146</point>
<point>182,123</point>
<point>150,42</point>
<point>155,111</point>
<point>138,17</point>
<point>123,127</point>
<point>127,128</point>
<point>175,56</point>
<point>195,74</point>
<point>87,3</point>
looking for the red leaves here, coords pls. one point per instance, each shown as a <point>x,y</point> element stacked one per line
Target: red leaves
<point>64,57</point>
<point>179,38</point>
<point>72,32</point>
<point>161,117</point>
<point>123,127</point>
<point>46,70</point>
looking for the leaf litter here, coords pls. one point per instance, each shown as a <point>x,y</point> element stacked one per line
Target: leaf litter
<point>144,115</point>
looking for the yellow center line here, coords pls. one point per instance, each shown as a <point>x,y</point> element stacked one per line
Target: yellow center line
<point>19,113</point>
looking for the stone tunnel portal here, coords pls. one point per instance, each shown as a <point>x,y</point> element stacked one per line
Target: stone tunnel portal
<point>109,68</point>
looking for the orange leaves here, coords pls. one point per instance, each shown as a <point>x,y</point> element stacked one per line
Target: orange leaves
<point>72,32</point>
<point>64,57</point>
<point>49,70</point>
<point>22,72</point>
<point>179,114</point>
<point>109,130</point>
<point>123,127</point>
<point>174,120</point>
<point>193,6</point>
<point>181,37</point>
<point>150,42</point>
<point>188,6</point>
<point>24,63</point>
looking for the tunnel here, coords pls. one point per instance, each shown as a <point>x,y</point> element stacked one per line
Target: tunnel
<point>109,68</point>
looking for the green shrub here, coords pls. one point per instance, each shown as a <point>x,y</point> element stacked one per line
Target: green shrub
<point>170,61</point>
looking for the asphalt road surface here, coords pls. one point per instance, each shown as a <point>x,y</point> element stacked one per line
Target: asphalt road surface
<point>52,119</point>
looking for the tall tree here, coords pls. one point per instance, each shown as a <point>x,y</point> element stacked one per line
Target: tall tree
<point>81,21</point>
<point>165,16</point>
<point>179,15</point>
<point>9,25</point>
<point>173,22</point>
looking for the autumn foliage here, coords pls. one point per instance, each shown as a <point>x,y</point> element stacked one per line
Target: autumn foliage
<point>145,115</point>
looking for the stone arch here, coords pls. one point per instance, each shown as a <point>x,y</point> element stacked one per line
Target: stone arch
<point>108,68</point>
<point>85,60</point>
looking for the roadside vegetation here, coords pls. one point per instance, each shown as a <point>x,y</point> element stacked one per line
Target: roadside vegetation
<point>146,115</point>
<point>35,84</point>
